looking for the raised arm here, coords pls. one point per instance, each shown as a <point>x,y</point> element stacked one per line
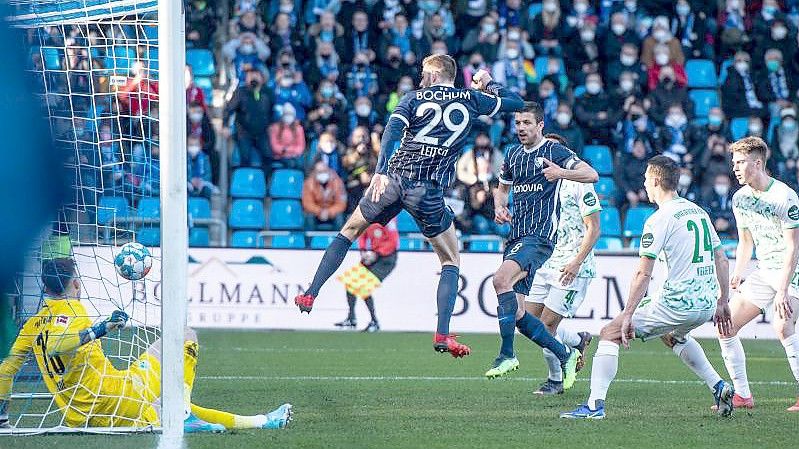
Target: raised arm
<point>68,342</point>
<point>581,172</point>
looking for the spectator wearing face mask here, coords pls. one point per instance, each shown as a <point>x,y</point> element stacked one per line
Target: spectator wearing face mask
<point>661,35</point>
<point>247,22</point>
<point>392,68</point>
<point>629,175</point>
<point>476,62</point>
<point>626,92</point>
<point>769,26</point>
<point>425,11</point>
<point>784,148</point>
<point>199,125</point>
<point>291,89</point>
<point>636,126</point>
<point>246,52</point>
<point>717,202</point>
<point>686,187</point>
<point>404,86</point>
<point>283,36</point>
<point>715,161</point>
<point>401,36</point>
<point>734,24</point>
<point>435,29</point>
<point>781,36</point>
<point>706,135</point>
<point>593,113</point>
<point>483,39</point>
<point>326,65</point>
<point>674,139</point>
<point>480,163</point>
<point>327,30</point>
<point>565,126</point>
<point>513,71</point>
<point>618,34</point>
<point>193,93</point>
<point>358,165</point>
<point>668,92</point>
<point>775,85</point>
<point>627,62</point>
<point>290,8</point>
<point>689,27</point>
<point>549,30</point>
<point>330,151</point>
<point>287,138</point>
<point>384,12</point>
<point>583,52</point>
<point>329,109</point>
<point>199,170</point>
<point>362,114</point>
<point>324,199</point>
<point>251,105</point>
<point>547,96</point>
<point>664,60</point>
<point>360,37</point>
<point>201,23</point>
<point>361,78</point>
<point>739,91</point>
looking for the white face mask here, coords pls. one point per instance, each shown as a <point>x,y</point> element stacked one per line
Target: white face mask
<point>627,60</point>
<point>721,189</point>
<point>514,35</point>
<point>618,29</point>
<point>593,88</point>
<point>550,7</point>
<point>631,5</point>
<point>660,35</point>
<point>675,120</point>
<point>626,85</point>
<point>323,177</point>
<point>193,150</point>
<point>196,117</point>
<point>327,147</point>
<point>755,129</point>
<point>779,33</point>
<point>587,35</point>
<point>683,10</point>
<point>512,53</point>
<point>247,49</point>
<point>580,8</point>
<point>288,118</point>
<point>685,180</point>
<point>661,59</point>
<point>362,110</point>
<point>286,82</point>
<point>563,118</point>
<point>742,67</point>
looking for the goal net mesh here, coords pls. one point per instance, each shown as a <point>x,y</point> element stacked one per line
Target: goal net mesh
<point>95,65</point>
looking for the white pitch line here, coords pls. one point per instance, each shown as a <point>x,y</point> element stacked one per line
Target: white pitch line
<point>464,378</point>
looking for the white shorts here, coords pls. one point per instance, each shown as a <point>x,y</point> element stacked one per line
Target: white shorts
<point>563,300</point>
<point>761,287</point>
<point>653,319</point>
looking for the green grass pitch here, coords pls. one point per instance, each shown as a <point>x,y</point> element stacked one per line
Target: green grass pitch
<point>391,390</point>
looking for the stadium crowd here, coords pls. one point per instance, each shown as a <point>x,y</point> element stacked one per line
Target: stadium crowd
<point>313,82</point>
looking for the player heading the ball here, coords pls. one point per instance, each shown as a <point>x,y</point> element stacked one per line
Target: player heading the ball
<point>431,125</point>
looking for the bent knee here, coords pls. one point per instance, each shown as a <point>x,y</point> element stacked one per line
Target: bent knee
<point>502,282</point>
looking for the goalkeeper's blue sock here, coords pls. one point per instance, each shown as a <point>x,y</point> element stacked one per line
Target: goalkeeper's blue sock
<point>332,259</point>
<point>446,296</point>
<point>506,314</point>
<point>532,328</point>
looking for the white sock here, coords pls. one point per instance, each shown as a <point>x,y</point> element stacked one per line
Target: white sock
<point>694,358</point>
<point>553,363</point>
<point>791,345</point>
<point>735,360</point>
<point>568,337</point>
<point>604,367</point>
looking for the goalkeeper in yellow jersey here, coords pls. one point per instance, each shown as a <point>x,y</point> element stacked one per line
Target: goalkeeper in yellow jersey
<point>86,387</point>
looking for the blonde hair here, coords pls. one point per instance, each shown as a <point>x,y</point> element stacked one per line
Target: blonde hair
<point>445,65</point>
<point>751,145</point>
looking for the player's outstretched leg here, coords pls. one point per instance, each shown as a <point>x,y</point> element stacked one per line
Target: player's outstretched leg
<point>332,259</point>
<point>446,247</point>
<point>278,418</point>
<point>532,328</point>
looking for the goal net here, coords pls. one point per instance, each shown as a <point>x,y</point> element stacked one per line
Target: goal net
<point>95,63</point>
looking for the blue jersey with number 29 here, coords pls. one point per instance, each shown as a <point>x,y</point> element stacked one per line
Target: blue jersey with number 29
<point>438,120</point>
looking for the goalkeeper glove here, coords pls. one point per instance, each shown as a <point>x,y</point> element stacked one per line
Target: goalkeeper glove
<point>116,321</point>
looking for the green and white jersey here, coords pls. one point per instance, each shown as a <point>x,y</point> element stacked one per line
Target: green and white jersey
<point>766,215</point>
<point>682,232</point>
<point>577,200</point>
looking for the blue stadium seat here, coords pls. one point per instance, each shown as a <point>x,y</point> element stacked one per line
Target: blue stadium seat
<point>286,183</point>
<point>199,237</point>
<point>606,189</point>
<point>486,245</point>
<point>599,157</point>
<point>149,208</point>
<point>286,215</point>
<point>701,73</point>
<point>244,239</point>
<point>247,214</point>
<point>149,236</point>
<point>248,183</point>
<point>294,240</point>
<point>406,223</point>
<point>411,244</point>
<point>634,220</point>
<point>739,126</point>
<point>151,32</point>
<point>199,207</point>
<point>534,10</point>
<point>609,244</point>
<point>635,243</point>
<point>704,99</point>
<point>201,61</point>
<point>322,241</point>
<point>109,207</point>
<point>207,87</point>
<point>52,58</point>
<point>610,222</point>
